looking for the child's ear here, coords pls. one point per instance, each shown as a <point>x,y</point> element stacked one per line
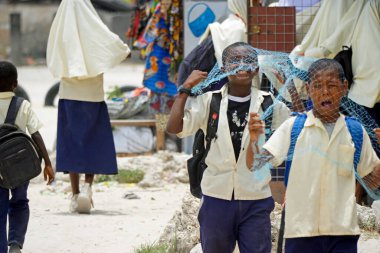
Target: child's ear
<point>14,85</point>
<point>345,87</point>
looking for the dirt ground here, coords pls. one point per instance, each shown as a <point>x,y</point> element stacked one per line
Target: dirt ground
<point>116,224</point>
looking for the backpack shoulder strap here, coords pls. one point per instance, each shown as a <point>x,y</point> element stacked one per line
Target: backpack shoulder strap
<point>265,84</point>
<point>268,102</point>
<point>299,122</point>
<point>14,106</point>
<point>356,131</point>
<point>213,119</point>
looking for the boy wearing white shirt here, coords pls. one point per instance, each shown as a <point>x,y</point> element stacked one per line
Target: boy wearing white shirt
<point>320,197</point>
<point>235,207</point>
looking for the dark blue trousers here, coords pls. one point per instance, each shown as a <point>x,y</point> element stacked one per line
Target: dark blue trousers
<point>322,244</point>
<point>17,209</point>
<point>224,222</point>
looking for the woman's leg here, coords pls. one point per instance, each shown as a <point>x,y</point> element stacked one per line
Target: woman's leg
<point>74,179</point>
<point>89,178</point>
<point>85,196</point>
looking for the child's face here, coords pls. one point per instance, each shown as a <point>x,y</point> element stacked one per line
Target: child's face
<point>243,65</point>
<point>326,91</point>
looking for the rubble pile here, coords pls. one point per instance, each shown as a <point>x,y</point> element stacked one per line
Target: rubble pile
<point>160,169</point>
<point>183,228</point>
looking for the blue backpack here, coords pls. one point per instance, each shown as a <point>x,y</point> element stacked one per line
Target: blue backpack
<point>353,125</point>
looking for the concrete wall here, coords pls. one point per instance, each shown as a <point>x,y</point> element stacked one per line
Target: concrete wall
<point>36,21</point>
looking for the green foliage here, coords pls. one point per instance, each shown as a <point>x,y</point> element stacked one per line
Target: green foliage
<point>124,177</point>
<point>164,247</point>
<point>130,176</point>
<point>114,93</point>
<point>152,248</point>
<point>104,178</point>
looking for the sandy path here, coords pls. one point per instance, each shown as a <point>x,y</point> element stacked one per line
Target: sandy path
<point>115,225</point>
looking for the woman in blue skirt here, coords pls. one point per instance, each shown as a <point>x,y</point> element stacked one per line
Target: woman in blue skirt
<point>80,49</point>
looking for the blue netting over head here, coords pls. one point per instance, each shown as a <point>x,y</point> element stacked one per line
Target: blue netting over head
<point>287,75</point>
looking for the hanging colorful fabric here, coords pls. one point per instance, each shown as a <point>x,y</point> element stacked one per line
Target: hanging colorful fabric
<point>157,74</point>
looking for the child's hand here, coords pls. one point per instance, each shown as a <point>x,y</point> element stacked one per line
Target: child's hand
<point>377,132</point>
<point>48,174</point>
<point>255,126</point>
<point>194,78</point>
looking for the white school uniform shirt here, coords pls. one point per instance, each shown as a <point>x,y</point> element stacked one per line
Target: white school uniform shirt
<point>320,196</point>
<point>224,175</point>
<point>26,119</point>
<point>82,89</point>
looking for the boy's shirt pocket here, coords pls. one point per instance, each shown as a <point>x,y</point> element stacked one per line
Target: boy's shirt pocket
<point>345,161</point>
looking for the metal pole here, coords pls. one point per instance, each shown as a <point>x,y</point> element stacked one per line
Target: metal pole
<point>16,43</point>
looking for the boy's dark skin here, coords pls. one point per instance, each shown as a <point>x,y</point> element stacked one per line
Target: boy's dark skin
<point>37,138</point>
<point>239,85</point>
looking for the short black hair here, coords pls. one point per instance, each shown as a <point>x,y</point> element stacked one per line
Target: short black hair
<point>326,64</point>
<point>228,51</point>
<point>8,76</point>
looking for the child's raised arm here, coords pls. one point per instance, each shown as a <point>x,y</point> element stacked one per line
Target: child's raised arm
<point>256,128</point>
<point>175,122</point>
<point>48,170</point>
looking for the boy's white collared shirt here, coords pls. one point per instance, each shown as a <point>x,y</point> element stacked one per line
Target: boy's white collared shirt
<point>26,119</point>
<point>320,197</point>
<point>224,175</point>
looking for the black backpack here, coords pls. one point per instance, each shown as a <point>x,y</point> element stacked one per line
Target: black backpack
<point>196,164</point>
<point>20,160</point>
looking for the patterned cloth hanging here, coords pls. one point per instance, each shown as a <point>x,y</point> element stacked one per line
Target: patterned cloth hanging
<point>162,48</point>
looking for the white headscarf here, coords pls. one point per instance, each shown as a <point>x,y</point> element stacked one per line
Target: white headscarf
<point>238,7</point>
<point>232,30</point>
<point>80,44</point>
<point>343,33</point>
<point>324,23</point>
<point>365,58</point>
